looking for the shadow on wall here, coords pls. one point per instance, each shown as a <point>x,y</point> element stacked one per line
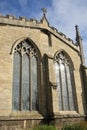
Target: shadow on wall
<point>48,90</point>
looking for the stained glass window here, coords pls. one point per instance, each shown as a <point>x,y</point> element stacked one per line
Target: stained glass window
<point>25,91</point>
<point>16,81</point>
<point>70,90</point>
<point>65,88</point>
<point>25,82</point>
<point>33,82</point>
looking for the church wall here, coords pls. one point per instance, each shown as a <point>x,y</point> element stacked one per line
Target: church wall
<point>58,45</point>
<point>9,35</point>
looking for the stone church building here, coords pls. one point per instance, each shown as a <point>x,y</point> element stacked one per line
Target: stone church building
<point>43,77</point>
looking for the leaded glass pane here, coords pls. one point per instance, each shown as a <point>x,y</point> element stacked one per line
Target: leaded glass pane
<point>70,91</point>
<point>25,44</point>
<point>16,82</point>
<point>34,82</point>
<point>58,85</point>
<point>64,82</point>
<point>25,82</point>
<point>64,87</point>
<point>25,77</point>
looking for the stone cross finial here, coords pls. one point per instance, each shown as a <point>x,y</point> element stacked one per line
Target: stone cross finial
<point>44,11</point>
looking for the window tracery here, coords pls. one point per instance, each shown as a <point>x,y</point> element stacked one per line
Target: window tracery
<point>25,48</point>
<point>25,78</point>
<point>64,71</point>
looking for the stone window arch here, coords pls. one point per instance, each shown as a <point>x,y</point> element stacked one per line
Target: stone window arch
<point>65,82</point>
<point>26,59</point>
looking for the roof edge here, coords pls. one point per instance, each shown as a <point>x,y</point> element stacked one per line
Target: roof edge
<point>33,23</point>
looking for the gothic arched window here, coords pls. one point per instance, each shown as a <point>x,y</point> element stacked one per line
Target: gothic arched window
<point>64,78</point>
<point>25,79</point>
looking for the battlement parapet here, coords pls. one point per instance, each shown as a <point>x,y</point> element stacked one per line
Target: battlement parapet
<point>31,23</point>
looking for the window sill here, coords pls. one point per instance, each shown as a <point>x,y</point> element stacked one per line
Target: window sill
<point>67,114</point>
<point>26,114</point>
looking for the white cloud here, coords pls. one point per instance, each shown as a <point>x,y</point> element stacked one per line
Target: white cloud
<point>65,14</point>
<point>23,3</point>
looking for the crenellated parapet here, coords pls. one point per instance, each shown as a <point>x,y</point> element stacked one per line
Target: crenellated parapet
<point>43,24</point>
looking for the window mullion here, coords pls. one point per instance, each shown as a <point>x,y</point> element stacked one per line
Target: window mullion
<point>60,75</point>
<point>21,84</point>
<point>38,72</point>
<point>30,86</point>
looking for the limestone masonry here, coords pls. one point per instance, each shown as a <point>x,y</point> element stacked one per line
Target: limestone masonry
<point>43,77</point>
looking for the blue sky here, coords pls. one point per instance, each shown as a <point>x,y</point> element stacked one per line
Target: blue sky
<point>62,14</point>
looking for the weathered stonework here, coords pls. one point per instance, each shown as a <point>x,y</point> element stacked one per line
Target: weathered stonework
<point>49,41</point>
